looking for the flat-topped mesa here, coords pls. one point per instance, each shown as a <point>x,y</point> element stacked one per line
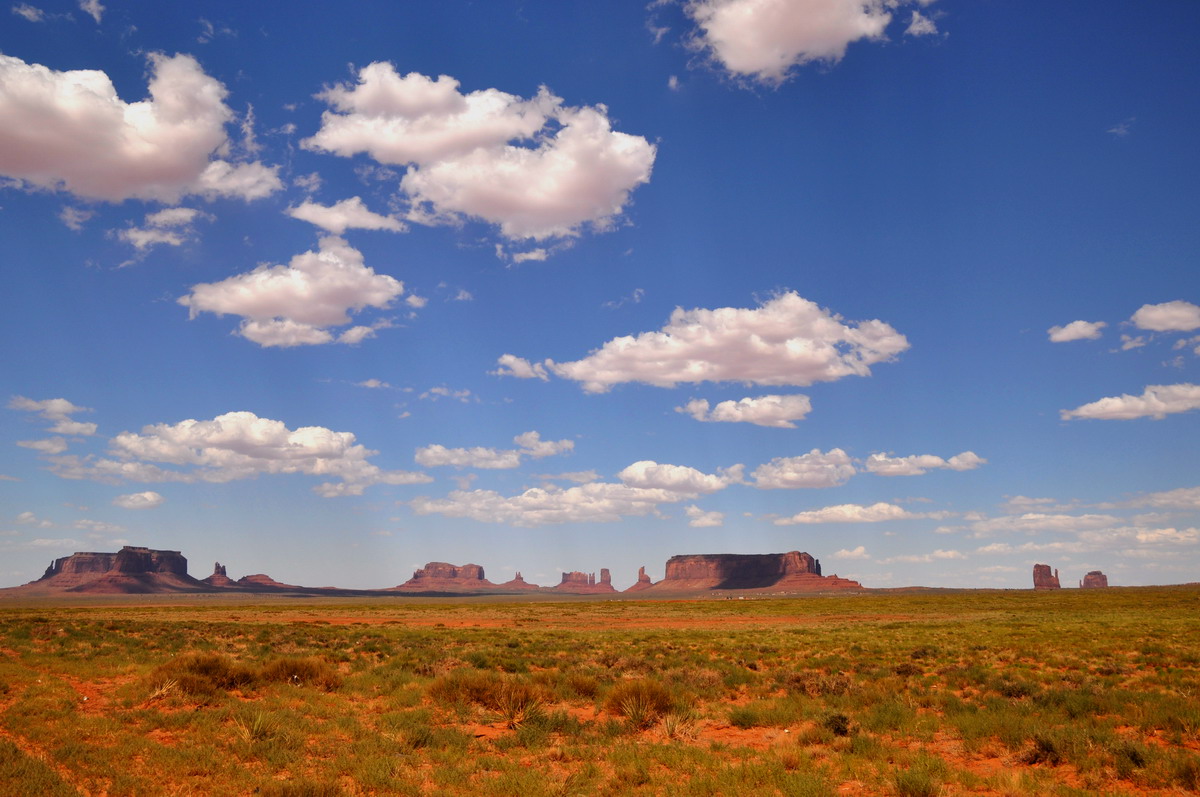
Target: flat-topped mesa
<point>131,569</point>
<point>793,570</point>
<point>1043,579</point>
<point>130,559</point>
<point>585,583</point>
<point>1095,579</point>
<point>643,581</point>
<point>443,577</point>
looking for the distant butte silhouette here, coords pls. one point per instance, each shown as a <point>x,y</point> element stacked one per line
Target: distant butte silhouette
<point>137,570</point>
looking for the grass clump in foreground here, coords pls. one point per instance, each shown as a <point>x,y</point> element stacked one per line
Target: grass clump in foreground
<point>1004,693</point>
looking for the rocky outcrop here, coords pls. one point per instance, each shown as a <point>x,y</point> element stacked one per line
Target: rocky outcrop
<point>1043,579</point>
<point>517,583</point>
<point>643,581</point>
<point>218,579</point>
<point>132,570</point>
<point>792,571</point>
<point>445,577</point>
<point>1095,579</point>
<point>260,582</point>
<point>579,583</point>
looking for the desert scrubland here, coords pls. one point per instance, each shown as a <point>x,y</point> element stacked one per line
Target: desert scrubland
<point>908,693</point>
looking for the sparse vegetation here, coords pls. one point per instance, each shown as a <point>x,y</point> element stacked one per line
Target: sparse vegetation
<point>921,694</point>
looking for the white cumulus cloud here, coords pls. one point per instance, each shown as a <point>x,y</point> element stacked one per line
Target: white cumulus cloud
<point>511,365</point>
<point>170,226</point>
<point>143,500</point>
<point>764,39</point>
<point>786,341</point>
<point>777,411</point>
<point>848,513</point>
<point>700,519</point>
<point>534,167</point>
<point>648,474</point>
<point>1156,401</point>
<point>812,470</point>
<point>58,410</point>
<point>296,304</point>
<point>917,464</point>
<point>1177,316</point>
<point>348,214</point>
<point>234,446</point>
<point>531,445</point>
<point>595,502</point>
<point>70,131</point>
<point>1076,330</point>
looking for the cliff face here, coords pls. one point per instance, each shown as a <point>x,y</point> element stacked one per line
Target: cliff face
<point>1043,579</point>
<point>131,569</point>
<point>1095,579</point>
<point>792,571</point>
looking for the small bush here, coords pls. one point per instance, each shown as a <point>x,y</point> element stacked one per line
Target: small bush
<point>907,668</point>
<point>837,724</point>
<point>200,674</point>
<point>309,671</point>
<point>480,687</point>
<point>641,702</point>
<point>745,717</point>
<point>519,703</point>
<point>1044,751</point>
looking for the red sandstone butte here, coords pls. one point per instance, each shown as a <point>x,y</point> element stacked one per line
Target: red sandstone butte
<point>517,583</point>
<point>792,571</point>
<point>1042,579</point>
<point>131,570</point>
<point>218,579</point>
<point>445,577</point>
<point>643,581</point>
<point>1095,579</point>
<point>261,581</point>
<point>578,583</point>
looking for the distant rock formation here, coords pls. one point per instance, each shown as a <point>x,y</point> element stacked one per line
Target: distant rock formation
<point>445,577</point>
<point>1042,579</point>
<point>517,583</point>
<point>1095,579</point>
<point>795,571</point>
<point>643,581</point>
<point>132,570</point>
<point>579,583</point>
<point>218,579</point>
<point>143,570</point>
<point>260,582</point>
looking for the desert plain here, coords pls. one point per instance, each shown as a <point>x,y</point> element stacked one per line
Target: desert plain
<point>922,692</point>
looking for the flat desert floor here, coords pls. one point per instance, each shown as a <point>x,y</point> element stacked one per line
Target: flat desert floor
<point>906,693</point>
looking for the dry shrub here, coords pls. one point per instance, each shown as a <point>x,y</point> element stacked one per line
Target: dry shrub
<point>204,674</point>
<point>464,685</point>
<point>640,701</point>
<point>309,671</point>
<point>517,700</point>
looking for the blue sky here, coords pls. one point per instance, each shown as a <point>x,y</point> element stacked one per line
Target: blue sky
<point>542,286</point>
